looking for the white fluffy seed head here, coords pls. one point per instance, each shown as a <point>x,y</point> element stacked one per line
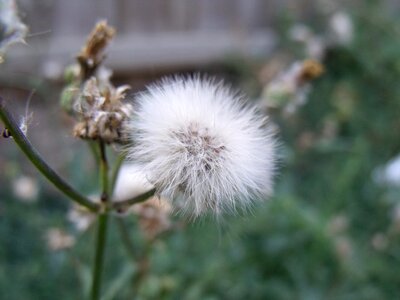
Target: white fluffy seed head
<point>200,144</point>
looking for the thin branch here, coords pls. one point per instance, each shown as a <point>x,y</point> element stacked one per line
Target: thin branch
<point>123,205</point>
<point>26,147</point>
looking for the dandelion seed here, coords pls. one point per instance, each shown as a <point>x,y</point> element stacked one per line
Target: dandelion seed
<point>199,142</point>
<point>27,118</point>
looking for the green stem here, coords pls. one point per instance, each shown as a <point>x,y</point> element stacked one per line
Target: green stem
<point>103,172</point>
<point>122,205</point>
<point>99,257</point>
<point>114,175</point>
<point>102,226</point>
<point>26,147</point>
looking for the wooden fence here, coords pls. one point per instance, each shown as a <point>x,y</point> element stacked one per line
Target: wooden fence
<point>152,33</point>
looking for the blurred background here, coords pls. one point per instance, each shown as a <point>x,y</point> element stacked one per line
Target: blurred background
<point>332,229</point>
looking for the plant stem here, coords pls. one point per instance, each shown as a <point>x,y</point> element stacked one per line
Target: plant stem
<point>99,257</point>
<point>115,172</point>
<point>103,172</point>
<point>32,154</point>
<point>122,205</point>
<point>102,225</point>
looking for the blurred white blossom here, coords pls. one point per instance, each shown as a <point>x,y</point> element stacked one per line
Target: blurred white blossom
<point>341,26</point>
<point>80,218</point>
<point>131,182</point>
<point>57,239</point>
<point>389,173</point>
<point>25,188</point>
<point>314,45</point>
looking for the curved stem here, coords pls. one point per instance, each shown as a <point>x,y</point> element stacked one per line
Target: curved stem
<point>26,147</point>
<point>122,205</point>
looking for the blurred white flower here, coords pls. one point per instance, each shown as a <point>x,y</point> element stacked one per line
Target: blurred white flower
<point>314,45</point>
<point>300,33</point>
<point>25,188</point>
<point>315,48</point>
<point>342,27</point>
<point>131,182</point>
<point>80,216</point>
<point>197,139</point>
<point>289,89</point>
<point>389,174</point>
<point>154,214</point>
<point>58,239</point>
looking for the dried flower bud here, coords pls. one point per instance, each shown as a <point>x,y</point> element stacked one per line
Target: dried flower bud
<point>289,89</point>
<point>91,54</point>
<point>101,112</point>
<point>154,216</point>
<point>311,70</point>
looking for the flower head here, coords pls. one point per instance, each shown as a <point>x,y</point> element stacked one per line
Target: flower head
<point>196,139</point>
<point>102,111</point>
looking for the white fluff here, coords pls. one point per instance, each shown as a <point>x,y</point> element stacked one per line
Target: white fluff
<point>131,182</point>
<point>200,143</point>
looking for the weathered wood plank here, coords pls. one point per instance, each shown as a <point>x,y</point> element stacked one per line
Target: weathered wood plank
<point>139,52</point>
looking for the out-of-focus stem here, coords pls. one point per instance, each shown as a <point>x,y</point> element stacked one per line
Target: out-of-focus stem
<point>99,256</point>
<point>115,172</point>
<point>122,205</point>
<point>26,147</point>
<point>103,172</point>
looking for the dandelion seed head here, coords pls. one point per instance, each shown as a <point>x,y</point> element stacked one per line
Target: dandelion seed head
<point>202,143</point>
